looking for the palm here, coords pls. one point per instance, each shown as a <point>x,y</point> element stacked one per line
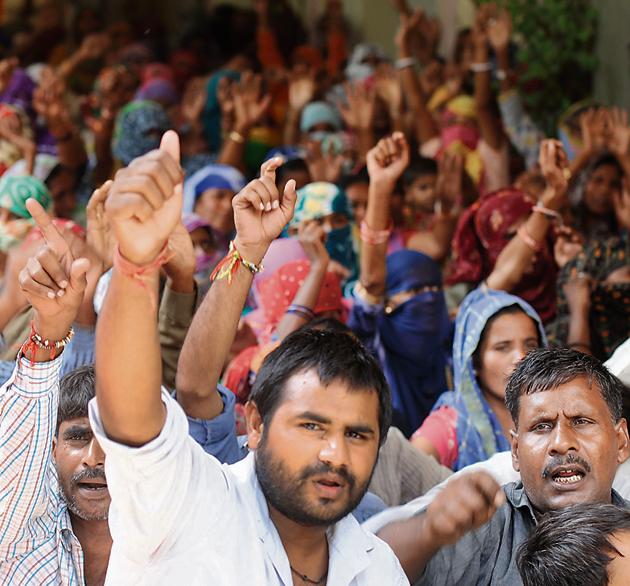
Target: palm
<point>254,226</point>
<point>301,92</point>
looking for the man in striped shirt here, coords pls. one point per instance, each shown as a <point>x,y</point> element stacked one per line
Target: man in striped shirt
<point>53,494</point>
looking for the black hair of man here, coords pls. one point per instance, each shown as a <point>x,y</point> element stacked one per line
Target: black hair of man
<point>546,369</point>
<point>419,167</point>
<point>334,356</point>
<point>289,167</point>
<point>76,389</point>
<point>572,546</point>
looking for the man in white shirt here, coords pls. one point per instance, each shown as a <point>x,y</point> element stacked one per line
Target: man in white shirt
<point>319,412</point>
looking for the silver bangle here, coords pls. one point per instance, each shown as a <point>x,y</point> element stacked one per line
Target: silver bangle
<point>481,67</point>
<point>406,62</point>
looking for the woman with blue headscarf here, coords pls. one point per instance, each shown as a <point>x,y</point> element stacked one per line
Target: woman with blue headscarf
<point>400,311</point>
<point>209,192</point>
<point>494,330</point>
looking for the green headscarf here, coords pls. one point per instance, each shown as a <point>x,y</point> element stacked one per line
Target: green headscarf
<point>14,191</point>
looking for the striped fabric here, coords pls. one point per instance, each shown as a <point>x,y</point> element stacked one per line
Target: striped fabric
<point>37,545</point>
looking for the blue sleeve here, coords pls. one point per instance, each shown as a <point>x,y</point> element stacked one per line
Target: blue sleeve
<point>363,321</point>
<point>80,350</point>
<point>369,506</point>
<point>218,436</point>
<point>6,370</point>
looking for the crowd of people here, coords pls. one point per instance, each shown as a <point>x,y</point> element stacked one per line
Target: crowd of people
<point>283,310</point>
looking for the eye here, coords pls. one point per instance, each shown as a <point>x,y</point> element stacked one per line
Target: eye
<point>355,435</point>
<point>582,421</point>
<point>542,426</point>
<point>311,426</point>
<point>502,347</point>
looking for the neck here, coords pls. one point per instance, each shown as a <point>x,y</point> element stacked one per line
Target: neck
<point>92,535</point>
<point>501,411</point>
<point>306,547</point>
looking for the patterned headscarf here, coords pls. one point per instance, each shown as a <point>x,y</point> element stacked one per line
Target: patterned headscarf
<point>479,433</point>
<point>133,125</point>
<point>14,191</point>
<point>484,230</point>
<point>610,302</point>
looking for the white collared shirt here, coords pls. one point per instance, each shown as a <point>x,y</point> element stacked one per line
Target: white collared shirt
<point>178,516</point>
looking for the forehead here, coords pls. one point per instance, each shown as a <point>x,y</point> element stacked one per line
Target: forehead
<point>357,191</point>
<point>513,326</point>
<point>304,392</point>
<point>572,399</point>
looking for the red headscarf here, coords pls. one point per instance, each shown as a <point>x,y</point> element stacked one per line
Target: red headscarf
<point>275,294</point>
<point>482,233</point>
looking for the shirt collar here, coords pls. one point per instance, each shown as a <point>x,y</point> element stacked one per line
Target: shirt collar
<point>517,497</point>
<point>348,543</point>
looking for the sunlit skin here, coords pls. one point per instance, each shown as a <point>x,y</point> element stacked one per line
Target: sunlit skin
<point>600,188</point>
<point>568,432</point>
<point>215,207</point>
<point>316,424</point>
<point>357,195</point>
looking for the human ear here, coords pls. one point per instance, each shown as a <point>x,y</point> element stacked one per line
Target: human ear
<point>623,441</point>
<point>514,446</point>
<point>255,425</point>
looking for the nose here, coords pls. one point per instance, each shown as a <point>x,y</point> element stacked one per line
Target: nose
<point>563,439</point>
<point>518,354</point>
<point>93,455</point>
<point>334,451</point>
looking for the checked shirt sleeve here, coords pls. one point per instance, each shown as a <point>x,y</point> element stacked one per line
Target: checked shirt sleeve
<point>28,415</point>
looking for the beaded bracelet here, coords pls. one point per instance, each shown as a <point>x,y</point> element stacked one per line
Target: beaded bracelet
<point>36,342</point>
<point>375,237</point>
<point>230,263</point>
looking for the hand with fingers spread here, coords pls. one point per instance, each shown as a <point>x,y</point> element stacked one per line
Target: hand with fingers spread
<point>145,201</point>
<point>194,100</point>
<point>312,237</point>
<point>389,89</point>
<point>407,33</point>
<point>261,212</point>
<point>465,504</point>
<point>387,161</point>
<point>53,280</point>
<point>554,166</point>
<point>301,88</point>
<point>250,103</point>
<point>99,235</point>
<point>619,137</point>
<point>500,30</point>
<point>358,111</point>
<point>593,124</point>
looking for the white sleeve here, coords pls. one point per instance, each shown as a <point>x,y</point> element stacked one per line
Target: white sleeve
<point>158,489</point>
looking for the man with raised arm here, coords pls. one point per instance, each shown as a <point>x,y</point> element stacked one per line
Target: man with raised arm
<point>319,410</point>
<point>53,493</point>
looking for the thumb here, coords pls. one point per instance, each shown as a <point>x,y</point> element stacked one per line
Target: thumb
<point>78,274</point>
<point>170,144</point>
<point>289,199</point>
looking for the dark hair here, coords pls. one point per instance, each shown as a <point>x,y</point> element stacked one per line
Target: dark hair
<point>572,546</point>
<point>547,368</point>
<point>76,389</point>
<point>335,356</point>
<point>360,177</point>
<point>290,167</point>
<point>330,324</point>
<point>607,159</point>
<point>419,167</point>
<point>509,310</point>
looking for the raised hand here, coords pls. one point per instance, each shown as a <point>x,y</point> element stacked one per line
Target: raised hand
<point>194,99</point>
<point>594,123</point>
<point>301,88</point>
<point>389,89</point>
<point>145,201</point>
<point>500,30</point>
<point>407,33</point>
<point>94,46</point>
<point>619,137</point>
<point>358,111</point>
<point>312,238</point>
<point>180,268</point>
<point>53,280</point>
<point>250,104</point>
<point>261,213</point>
<point>466,503</point>
<point>554,165</point>
<point>567,246</point>
<point>448,188</point>
<point>99,235</point>
<point>387,161</point>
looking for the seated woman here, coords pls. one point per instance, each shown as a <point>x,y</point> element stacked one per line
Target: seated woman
<point>400,311</point>
<point>494,330</point>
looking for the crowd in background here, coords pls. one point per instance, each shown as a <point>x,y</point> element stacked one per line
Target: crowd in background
<point>435,222</point>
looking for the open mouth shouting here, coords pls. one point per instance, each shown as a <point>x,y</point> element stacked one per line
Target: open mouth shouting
<point>329,486</point>
<point>567,473</point>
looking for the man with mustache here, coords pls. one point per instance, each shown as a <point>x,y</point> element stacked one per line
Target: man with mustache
<point>319,410</point>
<point>569,437</point>
<point>53,494</point>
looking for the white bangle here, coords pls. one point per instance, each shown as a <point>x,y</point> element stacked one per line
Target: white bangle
<point>481,67</point>
<point>406,62</point>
